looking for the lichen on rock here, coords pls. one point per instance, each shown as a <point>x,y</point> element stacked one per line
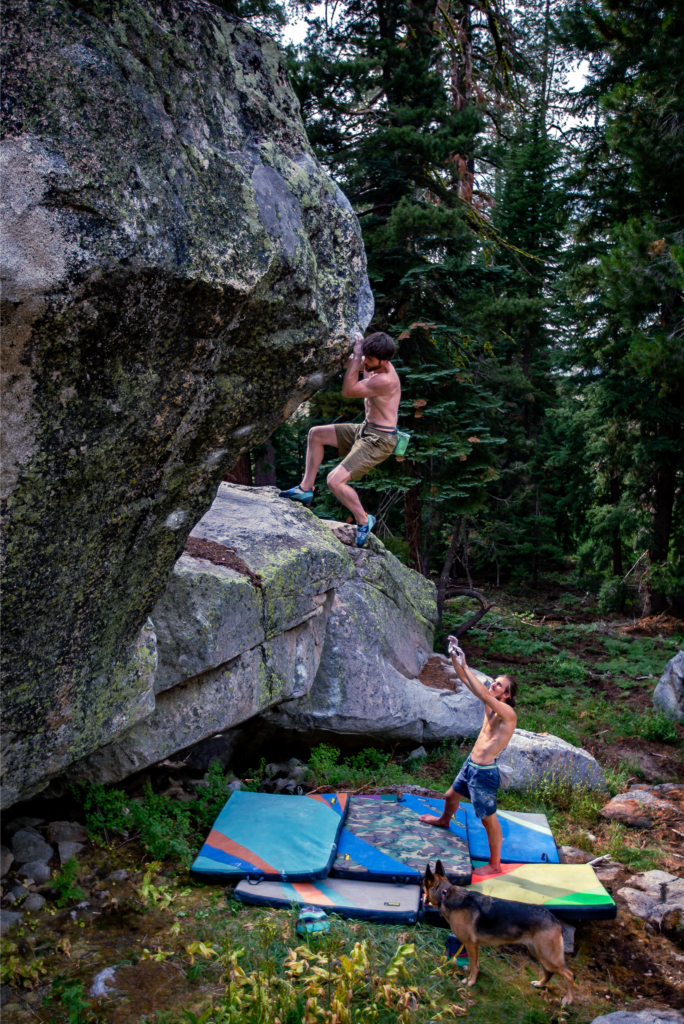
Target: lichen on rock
<point>179,275</point>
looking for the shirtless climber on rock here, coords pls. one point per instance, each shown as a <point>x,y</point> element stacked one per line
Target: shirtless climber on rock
<point>362,445</point>
<point>478,779</point>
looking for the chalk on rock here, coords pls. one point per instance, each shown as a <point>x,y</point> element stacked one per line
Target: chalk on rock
<point>38,870</point>
<point>68,850</point>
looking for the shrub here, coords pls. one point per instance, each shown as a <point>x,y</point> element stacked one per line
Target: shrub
<point>64,884</point>
<point>612,595</point>
<point>371,766</point>
<point>650,725</point>
<point>163,826</point>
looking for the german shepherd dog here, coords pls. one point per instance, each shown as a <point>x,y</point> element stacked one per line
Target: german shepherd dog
<point>477,920</point>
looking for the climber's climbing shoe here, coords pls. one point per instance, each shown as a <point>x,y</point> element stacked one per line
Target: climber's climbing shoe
<point>297,494</point>
<point>363,531</point>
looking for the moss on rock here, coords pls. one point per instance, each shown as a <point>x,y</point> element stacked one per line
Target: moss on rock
<point>181,274</point>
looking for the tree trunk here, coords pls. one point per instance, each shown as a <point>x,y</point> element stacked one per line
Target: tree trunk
<point>428,540</point>
<point>265,468</point>
<point>448,563</point>
<point>412,526</point>
<point>535,559</point>
<point>661,525</point>
<point>241,473</point>
<point>617,543</point>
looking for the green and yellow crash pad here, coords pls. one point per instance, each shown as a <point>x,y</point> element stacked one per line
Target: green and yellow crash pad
<point>567,890</point>
<point>570,891</point>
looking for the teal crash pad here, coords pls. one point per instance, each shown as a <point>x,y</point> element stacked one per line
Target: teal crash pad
<point>268,835</point>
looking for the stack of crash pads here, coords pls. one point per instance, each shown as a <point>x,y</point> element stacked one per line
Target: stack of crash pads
<point>364,856</point>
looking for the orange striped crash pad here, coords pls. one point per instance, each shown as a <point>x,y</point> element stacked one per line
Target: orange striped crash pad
<point>268,835</point>
<point>369,901</point>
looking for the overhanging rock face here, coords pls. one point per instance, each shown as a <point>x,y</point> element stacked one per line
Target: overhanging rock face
<point>230,646</point>
<point>179,274</point>
<point>327,642</point>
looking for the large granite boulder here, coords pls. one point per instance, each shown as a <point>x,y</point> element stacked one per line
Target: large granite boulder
<point>179,274</point>
<point>538,758</point>
<point>668,695</point>
<point>233,641</point>
<point>379,637</point>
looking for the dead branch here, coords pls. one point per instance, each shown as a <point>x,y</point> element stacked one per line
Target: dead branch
<point>474,619</point>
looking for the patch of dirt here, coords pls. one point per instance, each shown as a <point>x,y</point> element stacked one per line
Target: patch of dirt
<point>219,554</point>
<point>641,963</point>
<point>665,624</point>
<point>438,675</point>
<point>655,760</point>
<point>147,987</point>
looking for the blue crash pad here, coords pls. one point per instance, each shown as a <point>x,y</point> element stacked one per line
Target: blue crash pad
<point>527,838</point>
<point>267,835</point>
<point>369,901</point>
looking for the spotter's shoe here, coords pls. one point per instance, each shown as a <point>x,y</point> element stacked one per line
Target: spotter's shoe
<point>363,531</point>
<point>297,494</point>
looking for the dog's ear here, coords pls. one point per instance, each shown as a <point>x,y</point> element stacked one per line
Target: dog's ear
<point>429,877</point>
<point>439,869</point>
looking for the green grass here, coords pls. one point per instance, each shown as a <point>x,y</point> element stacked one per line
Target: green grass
<point>165,828</point>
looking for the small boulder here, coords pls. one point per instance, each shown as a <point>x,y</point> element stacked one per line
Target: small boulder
<point>416,754</point>
<point>38,870</point>
<point>6,859</point>
<point>536,758</point>
<point>67,832</point>
<point>572,855</point>
<point>656,897</point>
<point>8,919</point>
<point>668,695</point>
<point>640,1017</point>
<point>608,874</point>
<point>118,876</point>
<point>28,845</point>
<point>68,850</point>
<point>234,786</point>
<point>641,805</point>
<point>33,902</point>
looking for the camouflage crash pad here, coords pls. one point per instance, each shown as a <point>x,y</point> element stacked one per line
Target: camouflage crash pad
<point>384,840</point>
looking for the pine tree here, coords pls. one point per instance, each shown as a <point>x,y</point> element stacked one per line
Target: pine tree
<point>628,278</point>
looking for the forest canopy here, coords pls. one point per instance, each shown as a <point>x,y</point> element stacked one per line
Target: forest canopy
<point>516,169</point>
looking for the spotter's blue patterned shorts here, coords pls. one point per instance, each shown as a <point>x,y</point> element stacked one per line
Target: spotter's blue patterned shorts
<point>478,782</point>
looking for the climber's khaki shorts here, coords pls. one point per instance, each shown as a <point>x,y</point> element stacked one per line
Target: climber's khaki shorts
<point>362,447</point>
